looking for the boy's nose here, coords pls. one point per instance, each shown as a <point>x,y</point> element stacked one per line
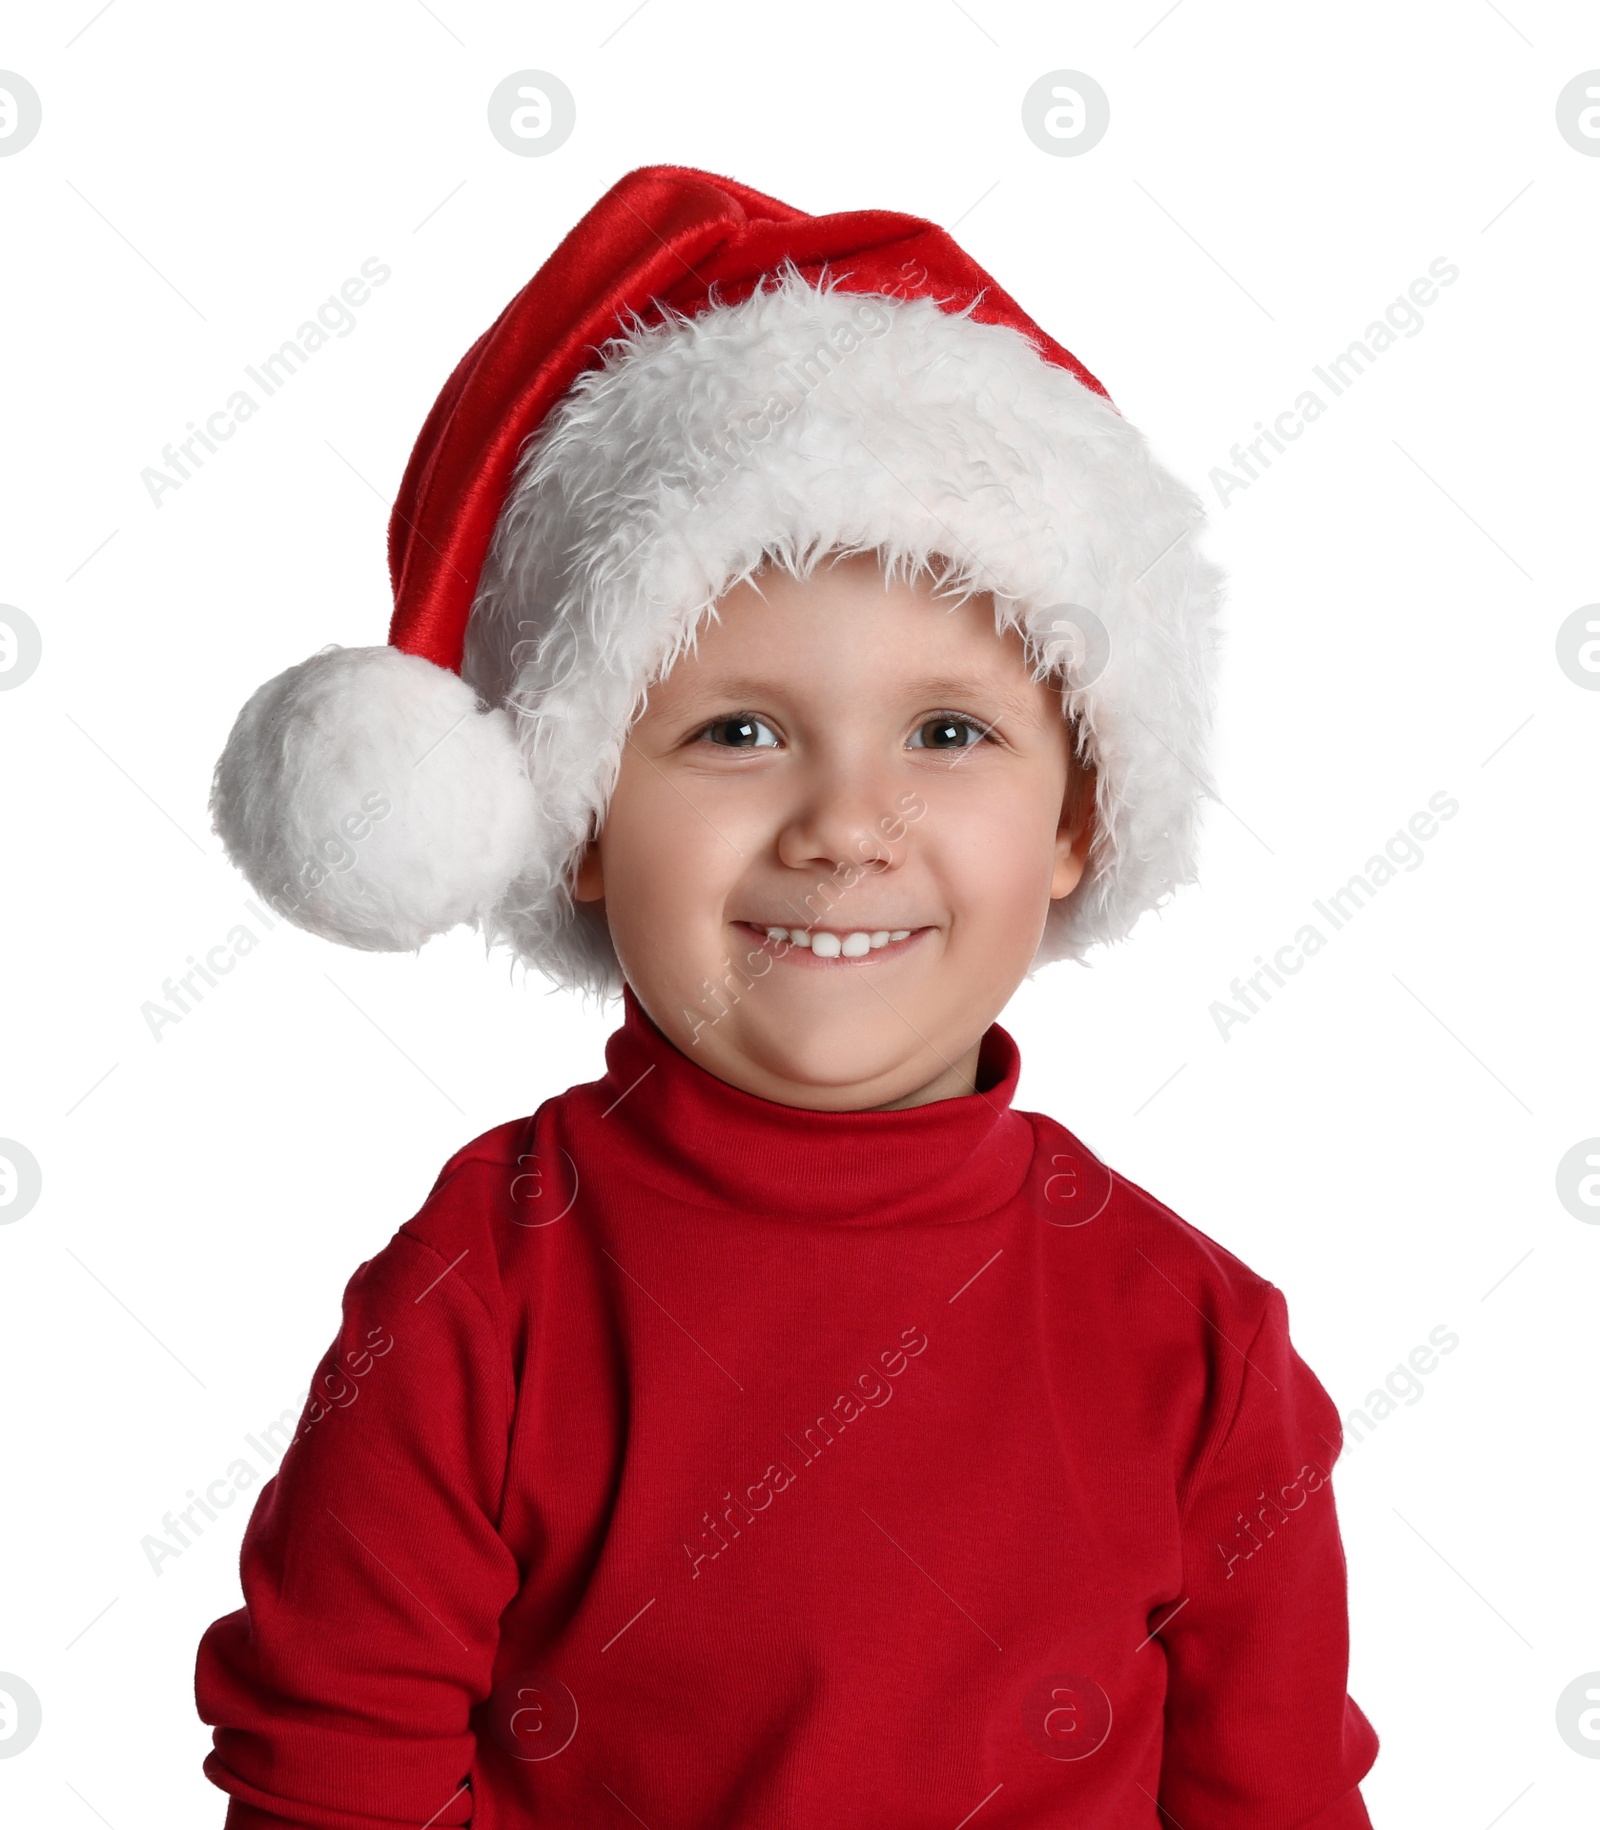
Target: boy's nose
<point>843,817</point>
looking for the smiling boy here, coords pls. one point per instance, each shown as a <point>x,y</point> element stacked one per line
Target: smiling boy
<point>859,795</point>
<point>782,1430</point>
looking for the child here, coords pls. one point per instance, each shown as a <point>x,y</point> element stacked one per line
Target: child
<point>782,1430</point>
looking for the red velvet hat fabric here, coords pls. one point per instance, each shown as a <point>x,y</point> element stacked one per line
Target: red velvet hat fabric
<point>664,233</point>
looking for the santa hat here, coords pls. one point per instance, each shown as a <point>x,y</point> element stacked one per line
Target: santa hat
<point>700,381</point>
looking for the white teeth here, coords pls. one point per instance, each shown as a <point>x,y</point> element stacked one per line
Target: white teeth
<point>828,945</point>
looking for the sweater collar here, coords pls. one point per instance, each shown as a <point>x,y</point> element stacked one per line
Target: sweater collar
<point>708,1144</point>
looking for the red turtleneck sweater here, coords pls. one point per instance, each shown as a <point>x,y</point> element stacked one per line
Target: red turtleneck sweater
<point>698,1462</point>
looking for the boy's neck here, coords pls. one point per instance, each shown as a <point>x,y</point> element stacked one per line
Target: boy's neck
<point>957,1079</point>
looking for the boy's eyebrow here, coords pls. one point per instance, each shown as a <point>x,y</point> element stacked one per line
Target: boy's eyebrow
<point>947,691</point>
<point>953,687</point>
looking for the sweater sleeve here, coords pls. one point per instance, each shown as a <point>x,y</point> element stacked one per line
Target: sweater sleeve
<point>1259,1733</point>
<point>373,1574</point>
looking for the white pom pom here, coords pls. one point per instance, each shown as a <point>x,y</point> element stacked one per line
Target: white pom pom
<point>365,796</point>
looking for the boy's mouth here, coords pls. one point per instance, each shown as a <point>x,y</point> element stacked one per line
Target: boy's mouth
<point>843,946</point>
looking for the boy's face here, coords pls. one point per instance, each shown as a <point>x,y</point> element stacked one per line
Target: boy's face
<point>841,759</point>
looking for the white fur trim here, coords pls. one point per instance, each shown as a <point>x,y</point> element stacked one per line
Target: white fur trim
<point>807,420</point>
<point>365,796</point>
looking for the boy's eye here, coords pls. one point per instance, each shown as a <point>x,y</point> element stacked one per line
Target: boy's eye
<point>741,733</point>
<point>947,732</point>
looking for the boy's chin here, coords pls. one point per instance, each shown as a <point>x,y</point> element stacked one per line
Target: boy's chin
<point>829,1061</point>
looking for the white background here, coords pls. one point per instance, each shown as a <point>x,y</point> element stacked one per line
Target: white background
<point>1381,1140</point>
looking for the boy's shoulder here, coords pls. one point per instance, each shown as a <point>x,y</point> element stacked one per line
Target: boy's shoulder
<point>485,1195</point>
<point>495,1176</point>
<point>1174,1320</point>
<point>497,1193</point>
<point>1135,1230</point>
<point>493,1149</point>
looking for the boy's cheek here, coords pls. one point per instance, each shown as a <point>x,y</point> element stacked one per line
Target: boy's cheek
<point>994,856</point>
<point>663,836</point>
